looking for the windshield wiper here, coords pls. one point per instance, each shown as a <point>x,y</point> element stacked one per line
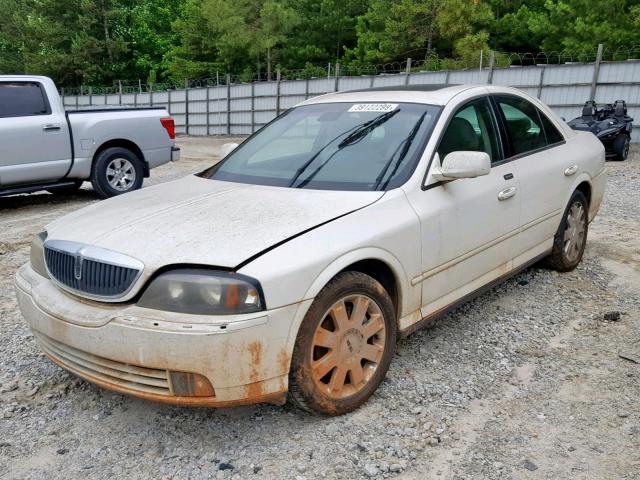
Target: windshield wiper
<point>405,144</point>
<point>365,128</point>
<point>358,134</point>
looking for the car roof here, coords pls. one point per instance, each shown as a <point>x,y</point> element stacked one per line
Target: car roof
<point>432,94</point>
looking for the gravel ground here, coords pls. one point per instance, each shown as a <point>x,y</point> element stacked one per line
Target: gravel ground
<point>526,382</point>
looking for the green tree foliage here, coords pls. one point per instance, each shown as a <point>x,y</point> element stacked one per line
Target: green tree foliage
<point>392,30</point>
<point>101,41</point>
<point>238,35</point>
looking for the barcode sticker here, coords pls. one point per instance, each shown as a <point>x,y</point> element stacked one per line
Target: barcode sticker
<point>373,107</point>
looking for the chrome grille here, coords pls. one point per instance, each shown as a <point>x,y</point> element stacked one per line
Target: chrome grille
<point>102,370</point>
<point>80,269</point>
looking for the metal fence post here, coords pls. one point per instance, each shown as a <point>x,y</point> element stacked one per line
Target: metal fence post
<point>596,72</point>
<point>207,110</point>
<point>120,92</point>
<point>541,83</point>
<point>186,105</point>
<point>492,62</point>
<point>90,96</point>
<point>446,77</point>
<point>336,87</point>
<point>407,72</point>
<point>278,78</point>
<point>169,101</point>
<point>151,94</point>
<point>306,88</point>
<point>228,104</point>
<point>253,109</point>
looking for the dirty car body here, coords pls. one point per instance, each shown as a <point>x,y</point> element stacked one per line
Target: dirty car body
<point>197,296</point>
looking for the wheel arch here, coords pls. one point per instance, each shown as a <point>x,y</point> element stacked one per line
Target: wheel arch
<point>379,264</point>
<point>585,187</point>
<point>123,143</point>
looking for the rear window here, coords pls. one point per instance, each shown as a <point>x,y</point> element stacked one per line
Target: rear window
<point>21,99</point>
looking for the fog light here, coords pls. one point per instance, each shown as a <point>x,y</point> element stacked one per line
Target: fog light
<point>186,384</point>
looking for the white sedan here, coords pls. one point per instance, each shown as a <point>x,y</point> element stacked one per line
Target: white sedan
<point>293,266</point>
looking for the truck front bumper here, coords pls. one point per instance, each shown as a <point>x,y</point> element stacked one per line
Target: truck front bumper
<point>162,356</point>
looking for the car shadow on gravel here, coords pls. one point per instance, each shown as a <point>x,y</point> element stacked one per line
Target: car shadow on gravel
<point>41,198</point>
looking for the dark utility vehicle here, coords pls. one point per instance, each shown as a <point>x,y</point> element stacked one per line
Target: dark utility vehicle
<point>610,124</point>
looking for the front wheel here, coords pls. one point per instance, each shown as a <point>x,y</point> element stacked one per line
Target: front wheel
<point>571,237</point>
<point>116,171</point>
<point>344,347</point>
<point>621,147</point>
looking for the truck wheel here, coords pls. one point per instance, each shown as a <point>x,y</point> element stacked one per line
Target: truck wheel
<point>116,171</point>
<point>66,190</point>
<point>344,347</point>
<point>571,237</point>
<point>621,147</point>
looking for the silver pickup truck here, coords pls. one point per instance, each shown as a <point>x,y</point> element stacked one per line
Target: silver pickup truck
<point>44,147</point>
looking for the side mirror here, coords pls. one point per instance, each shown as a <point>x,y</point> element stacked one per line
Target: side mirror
<point>463,164</point>
<point>227,148</point>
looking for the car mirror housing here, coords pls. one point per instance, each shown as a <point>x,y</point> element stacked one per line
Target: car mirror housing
<point>463,164</point>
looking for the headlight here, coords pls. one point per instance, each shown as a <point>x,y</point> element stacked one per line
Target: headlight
<point>37,254</point>
<point>203,292</point>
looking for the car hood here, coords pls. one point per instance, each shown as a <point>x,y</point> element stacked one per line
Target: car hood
<point>200,221</point>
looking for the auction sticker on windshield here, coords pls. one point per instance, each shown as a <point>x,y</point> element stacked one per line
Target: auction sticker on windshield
<point>373,107</point>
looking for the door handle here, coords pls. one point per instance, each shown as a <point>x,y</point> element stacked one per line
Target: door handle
<point>570,170</point>
<point>51,127</point>
<point>507,193</point>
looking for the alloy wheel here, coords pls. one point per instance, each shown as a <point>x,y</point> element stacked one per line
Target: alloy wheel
<point>347,346</point>
<point>574,233</point>
<point>121,174</point>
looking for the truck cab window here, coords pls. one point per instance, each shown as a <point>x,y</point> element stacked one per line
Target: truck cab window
<point>22,99</point>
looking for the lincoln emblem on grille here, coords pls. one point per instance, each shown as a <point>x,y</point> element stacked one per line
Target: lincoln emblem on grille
<point>77,266</point>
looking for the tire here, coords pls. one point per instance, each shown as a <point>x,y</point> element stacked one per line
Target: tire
<point>571,238</point>
<point>621,147</point>
<point>68,190</point>
<point>341,375</point>
<point>116,171</point>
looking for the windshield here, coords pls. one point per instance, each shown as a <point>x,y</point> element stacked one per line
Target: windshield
<point>333,146</point>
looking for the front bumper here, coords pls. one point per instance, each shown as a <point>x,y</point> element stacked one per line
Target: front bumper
<point>134,350</point>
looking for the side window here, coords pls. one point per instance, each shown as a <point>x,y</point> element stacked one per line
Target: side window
<point>522,123</point>
<point>552,133</point>
<point>22,99</point>
<point>471,128</point>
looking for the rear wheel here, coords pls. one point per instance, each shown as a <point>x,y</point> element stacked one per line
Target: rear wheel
<point>621,147</point>
<point>344,346</point>
<point>116,171</point>
<point>571,237</point>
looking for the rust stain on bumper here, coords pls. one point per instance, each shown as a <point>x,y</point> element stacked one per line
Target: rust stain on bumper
<point>276,398</point>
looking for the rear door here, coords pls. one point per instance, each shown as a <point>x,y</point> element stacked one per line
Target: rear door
<point>35,142</point>
<point>545,171</point>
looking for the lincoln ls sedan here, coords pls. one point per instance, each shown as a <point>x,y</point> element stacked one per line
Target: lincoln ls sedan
<point>290,268</point>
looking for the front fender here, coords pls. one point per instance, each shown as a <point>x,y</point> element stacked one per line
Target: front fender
<point>349,258</point>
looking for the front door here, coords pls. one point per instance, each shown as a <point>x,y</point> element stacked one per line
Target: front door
<point>468,225</point>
